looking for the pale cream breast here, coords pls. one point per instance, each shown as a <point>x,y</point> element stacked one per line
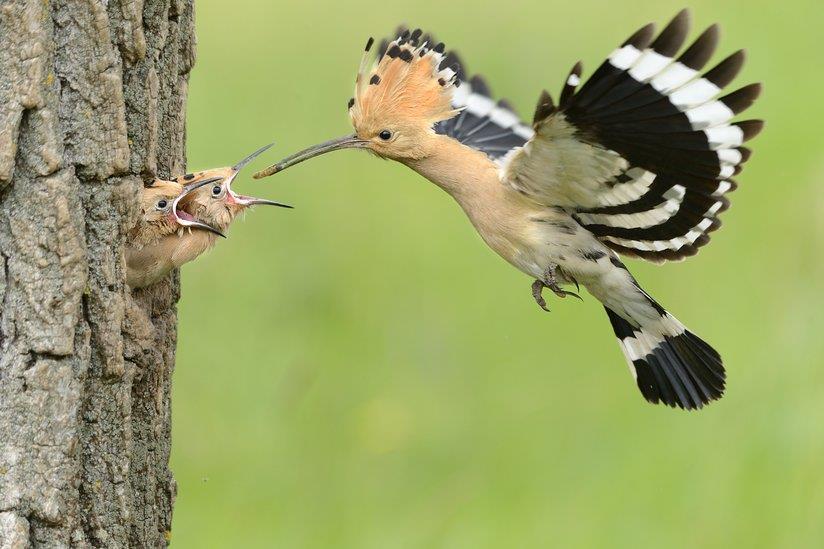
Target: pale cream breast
<point>503,217</point>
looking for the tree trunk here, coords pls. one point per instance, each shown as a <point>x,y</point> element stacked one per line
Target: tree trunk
<point>92,103</point>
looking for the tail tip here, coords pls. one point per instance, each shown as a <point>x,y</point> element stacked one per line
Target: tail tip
<point>680,370</point>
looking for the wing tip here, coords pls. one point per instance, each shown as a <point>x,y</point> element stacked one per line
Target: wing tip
<point>544,108</point>
<point>672,37</point>
<point>641,38</point>
<point>750,128</point>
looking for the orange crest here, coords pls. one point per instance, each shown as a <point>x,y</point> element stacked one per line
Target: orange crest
<point>406,82</point>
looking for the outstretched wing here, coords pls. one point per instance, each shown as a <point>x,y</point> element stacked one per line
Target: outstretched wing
<point>643,153</point>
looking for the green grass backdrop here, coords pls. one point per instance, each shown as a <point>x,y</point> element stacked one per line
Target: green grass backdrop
<point>362,372</point>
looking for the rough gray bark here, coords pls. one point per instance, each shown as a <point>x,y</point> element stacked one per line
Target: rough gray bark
<point>92,101</point>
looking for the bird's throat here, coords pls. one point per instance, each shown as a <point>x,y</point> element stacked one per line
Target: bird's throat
<point>461,171</point>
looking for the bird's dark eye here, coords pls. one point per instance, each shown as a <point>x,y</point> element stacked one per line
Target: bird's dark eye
<point>161,204</point>
<point>216,190</point>
<point>386,135</point>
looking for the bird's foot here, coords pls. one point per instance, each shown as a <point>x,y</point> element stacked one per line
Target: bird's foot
<point>537,291</point>
<point>551,282</point>
<point>560,292</point>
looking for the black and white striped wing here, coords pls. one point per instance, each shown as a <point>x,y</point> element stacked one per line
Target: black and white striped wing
<point>484,124</point>
<point>644,152</point>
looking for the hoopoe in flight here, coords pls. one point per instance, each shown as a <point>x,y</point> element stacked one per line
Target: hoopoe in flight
<point>217,204</point>
<point>636,161</point>
<point>163,238</point>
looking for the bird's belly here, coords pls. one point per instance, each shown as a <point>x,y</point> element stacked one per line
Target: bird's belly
<point>536,239</point>
<point>520,254</point>
<point>514,240</point>
<point>534,257</point>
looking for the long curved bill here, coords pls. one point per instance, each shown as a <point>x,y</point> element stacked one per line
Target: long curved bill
<point>186,220</point>
<point>346,142</point>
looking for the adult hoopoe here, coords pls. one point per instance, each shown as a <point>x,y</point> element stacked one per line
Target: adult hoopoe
<point>217,204</point>
<point>160,241</point>
<point>637,161</point>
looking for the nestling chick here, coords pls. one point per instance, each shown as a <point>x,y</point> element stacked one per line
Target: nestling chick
<point>218,204</point>
<point>160,242</point>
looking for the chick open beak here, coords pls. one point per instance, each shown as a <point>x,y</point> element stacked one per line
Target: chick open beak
<point>250,200</point>
<point>346,142</point>
<point>187,220</point>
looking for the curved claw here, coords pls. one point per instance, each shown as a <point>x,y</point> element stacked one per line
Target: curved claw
<point>552,284</point>
<point>564,293</point>
<point>577,287</point>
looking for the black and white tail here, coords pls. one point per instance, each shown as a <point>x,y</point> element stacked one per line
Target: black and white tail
<point>671,365</point>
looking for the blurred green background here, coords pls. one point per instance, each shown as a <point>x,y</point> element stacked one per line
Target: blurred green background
<point>362,372</point>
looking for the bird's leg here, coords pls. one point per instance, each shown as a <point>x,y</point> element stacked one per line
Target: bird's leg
<point>552,283</point>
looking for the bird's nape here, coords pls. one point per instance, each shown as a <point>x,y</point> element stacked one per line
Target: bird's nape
<point>346,142</point>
